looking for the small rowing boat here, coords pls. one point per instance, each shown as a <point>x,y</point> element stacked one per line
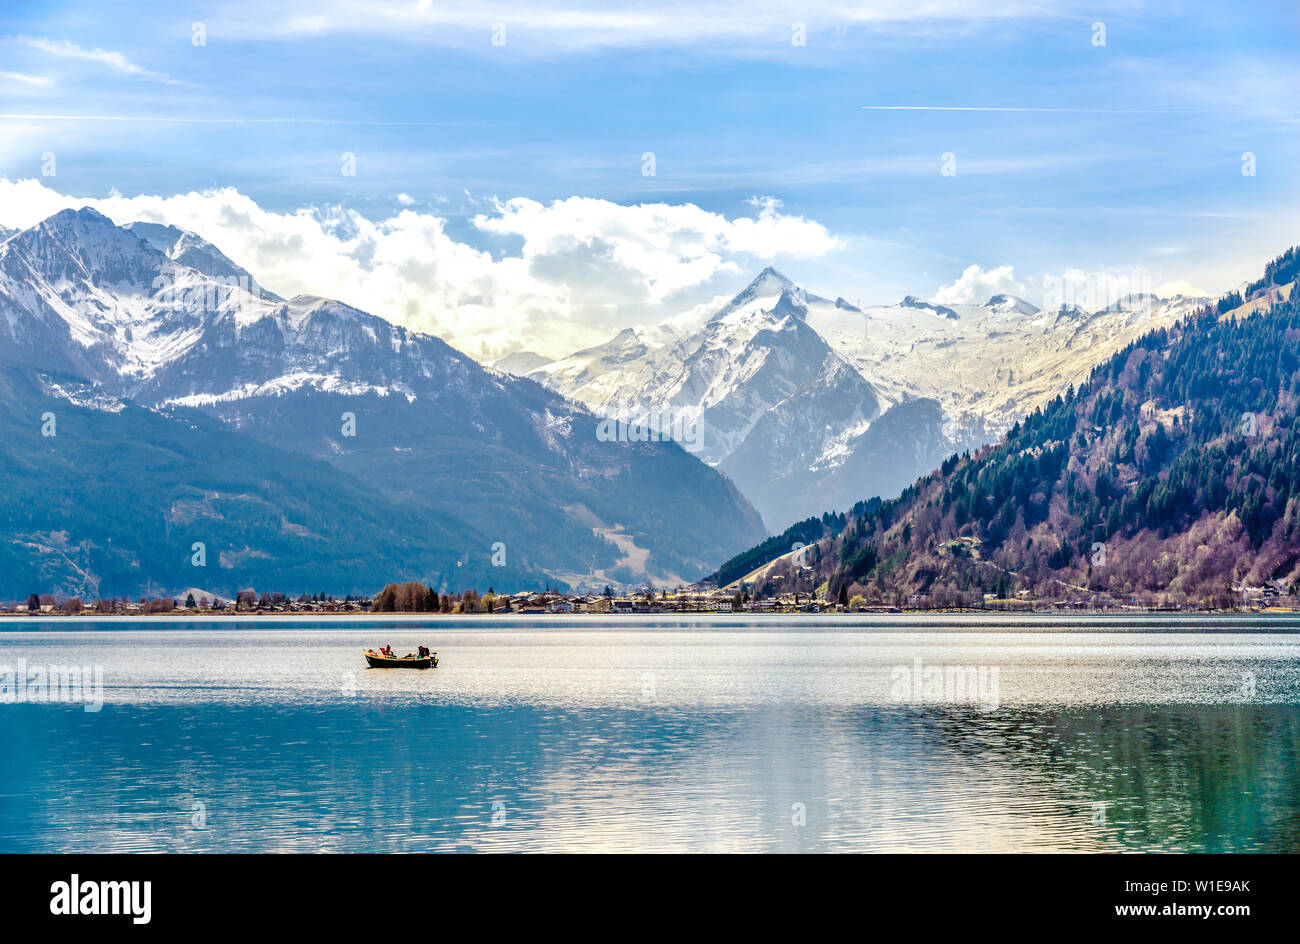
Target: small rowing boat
<point>379,660</point>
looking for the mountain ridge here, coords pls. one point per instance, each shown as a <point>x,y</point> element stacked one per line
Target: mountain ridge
<point>959,375</point>
<point>401,411</point>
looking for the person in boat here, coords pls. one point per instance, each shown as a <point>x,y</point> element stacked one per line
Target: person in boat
<point>424,652</point>
<point>388,651</point>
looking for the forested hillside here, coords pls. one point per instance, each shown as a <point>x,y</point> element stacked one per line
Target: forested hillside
<point>105,498</point>
<point>805,532</point>
<point>1171,476</point>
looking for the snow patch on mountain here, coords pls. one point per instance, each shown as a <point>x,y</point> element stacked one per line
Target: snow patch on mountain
<point>81,394</point>
<point>290,383</point>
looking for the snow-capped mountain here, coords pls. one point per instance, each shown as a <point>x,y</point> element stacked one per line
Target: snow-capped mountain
<point>811,404</point>
<point>755,391</point>
<point>752,356</point>
<point>83,295</point>
<point>163,318</point>
<point>988,365</point>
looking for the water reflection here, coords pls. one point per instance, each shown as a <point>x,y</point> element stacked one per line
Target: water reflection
<point>764,741</point>
<point>775,779</point>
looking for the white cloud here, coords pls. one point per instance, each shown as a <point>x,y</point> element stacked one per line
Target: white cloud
<point>1182,287</point>
<point>665,247</point>
<point>570,24</point>
<point>976,285</point>
<point>114,60</point>
<point>576,270</point>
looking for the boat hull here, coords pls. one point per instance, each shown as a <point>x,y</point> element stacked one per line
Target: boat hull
<point>383,662</point>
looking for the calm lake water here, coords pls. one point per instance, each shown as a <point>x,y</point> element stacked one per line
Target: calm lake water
<point>808,734</point>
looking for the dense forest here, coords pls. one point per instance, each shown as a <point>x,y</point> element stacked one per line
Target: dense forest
<point>1171,476</point>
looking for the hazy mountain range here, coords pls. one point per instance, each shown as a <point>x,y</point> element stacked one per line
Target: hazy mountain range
<point>809,404</point>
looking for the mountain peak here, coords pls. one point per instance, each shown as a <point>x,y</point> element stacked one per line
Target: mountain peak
<point>766,284</point>
<point>770,279</point>
<point>85,247</point>
<point>1010,303</point>
<point>87,214</point>
<point>78,224</point>
<point>912,301</point>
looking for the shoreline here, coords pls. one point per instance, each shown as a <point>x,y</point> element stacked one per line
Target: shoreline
<point>180,613</point>
<point>1041,621</point>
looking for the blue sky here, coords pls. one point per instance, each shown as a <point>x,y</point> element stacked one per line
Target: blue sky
<point>1116,158</point>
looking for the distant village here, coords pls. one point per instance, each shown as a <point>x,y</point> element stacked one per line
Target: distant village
<point>413,597</point>
<point>695,599</point>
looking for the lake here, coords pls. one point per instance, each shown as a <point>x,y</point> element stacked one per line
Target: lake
<point>782,734</point>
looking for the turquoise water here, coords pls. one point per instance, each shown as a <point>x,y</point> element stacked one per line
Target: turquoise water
<point>708,735</point>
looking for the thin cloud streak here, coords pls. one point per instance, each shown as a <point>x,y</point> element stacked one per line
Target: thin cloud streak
<point>116,61</point>
<point>1033,108</point>
<point>25,79</point>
